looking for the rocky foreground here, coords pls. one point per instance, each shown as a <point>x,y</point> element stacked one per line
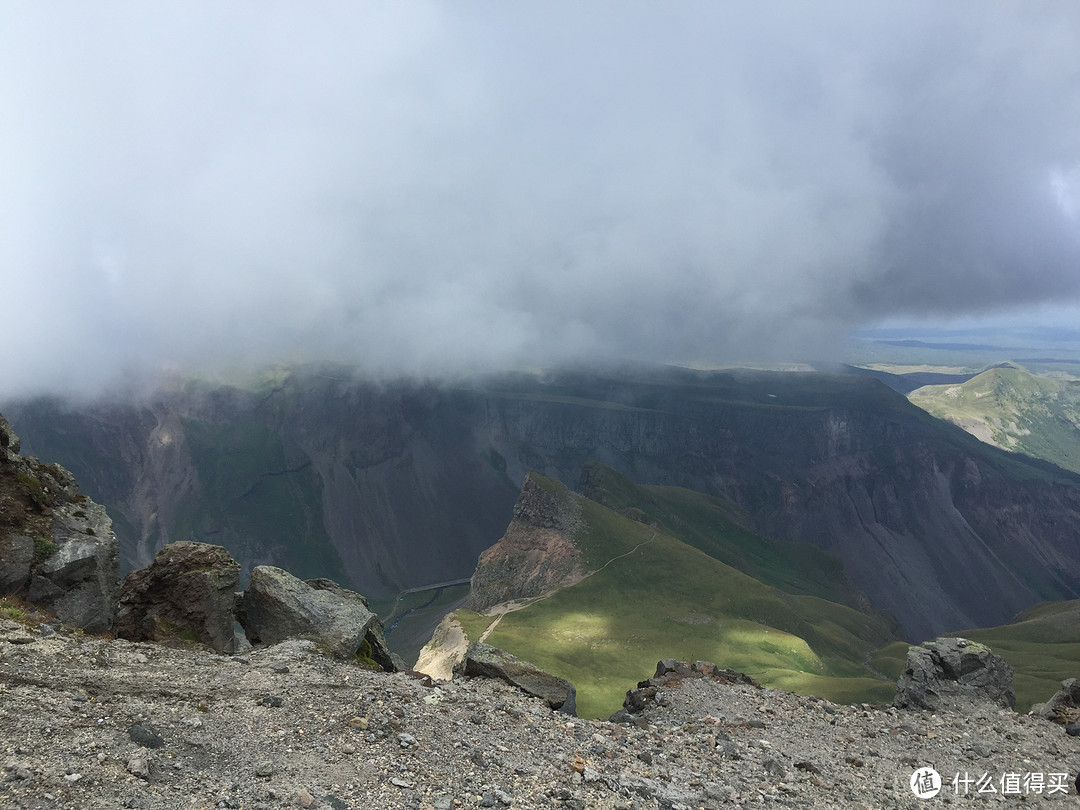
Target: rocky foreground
<point>98,723</point>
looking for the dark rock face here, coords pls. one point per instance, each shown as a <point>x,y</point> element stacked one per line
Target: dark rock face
<point>79,581</point>
<point>1064,706</point>
<point>187,593</point>
<point>483,660</point>
<point>948,671</point>
<point>57,547</point>
<point>9,442</point>
<point>278,606</point>
<point>536,555</point>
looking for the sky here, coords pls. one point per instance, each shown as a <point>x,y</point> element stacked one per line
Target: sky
<point>450,187</point>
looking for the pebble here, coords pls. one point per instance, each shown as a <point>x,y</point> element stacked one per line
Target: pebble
<point>265,768</point>
<point>139,765</point>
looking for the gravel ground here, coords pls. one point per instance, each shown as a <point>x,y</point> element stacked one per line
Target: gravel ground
<point>93,723</point>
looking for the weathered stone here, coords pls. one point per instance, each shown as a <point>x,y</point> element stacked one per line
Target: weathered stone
<point>486,661</point>
<point>948,671</point>
<point>79,580</point>
<point>186,593</point>
<point>1064,706</point>
<point>16,558</point>
<point>57,547</point>
<point>278,606</point>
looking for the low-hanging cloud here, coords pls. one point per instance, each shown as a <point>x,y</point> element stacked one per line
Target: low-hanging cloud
<point>426,187</point>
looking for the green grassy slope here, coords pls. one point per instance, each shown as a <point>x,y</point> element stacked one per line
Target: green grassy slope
<point>656,596</point>
<point>1015,410</point>
<point>716,527</point>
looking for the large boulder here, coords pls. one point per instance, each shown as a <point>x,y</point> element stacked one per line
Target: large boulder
<point>483,660</point>
<point>187,593</point>
<point>78,580</point>
<point>1064,706</point>
<point>953,672</point>
<point>278,606</point>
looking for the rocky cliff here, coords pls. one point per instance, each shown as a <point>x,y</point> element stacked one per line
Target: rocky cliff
<point>388,487</point>
<point>537,554</point>
<point>57,547</point>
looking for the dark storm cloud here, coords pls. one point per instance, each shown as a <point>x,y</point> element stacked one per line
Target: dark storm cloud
<point>424,187</point>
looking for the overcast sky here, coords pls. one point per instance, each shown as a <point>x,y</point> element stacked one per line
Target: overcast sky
<point>464,185</point>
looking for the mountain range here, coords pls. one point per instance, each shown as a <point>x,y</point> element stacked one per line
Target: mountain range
<point>388,487</point>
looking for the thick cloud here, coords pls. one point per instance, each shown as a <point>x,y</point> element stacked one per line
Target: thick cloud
<point>453,186</point>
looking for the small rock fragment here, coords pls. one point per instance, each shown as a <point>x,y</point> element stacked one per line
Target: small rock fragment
<point>139,764</point>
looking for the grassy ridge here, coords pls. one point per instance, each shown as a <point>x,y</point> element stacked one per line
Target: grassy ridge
<point>1015,410</point>
<point>658,596</point>
<point>716,527</point>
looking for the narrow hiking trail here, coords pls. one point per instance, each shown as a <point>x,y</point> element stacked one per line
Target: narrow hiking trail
<point>509,607</point>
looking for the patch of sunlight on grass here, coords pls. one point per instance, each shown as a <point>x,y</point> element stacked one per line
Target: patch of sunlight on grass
<point>751,638</point>
<point>582,628</point>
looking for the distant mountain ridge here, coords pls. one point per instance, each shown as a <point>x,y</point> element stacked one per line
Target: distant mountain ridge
<point>1011,408</point>
<point>386,487</point>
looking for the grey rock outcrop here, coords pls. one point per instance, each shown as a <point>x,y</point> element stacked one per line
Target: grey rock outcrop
<point>278,606</point>
<point>187,593</point>
<point>78,582</point>
<point>671,674</point>
<point>485,661</point>
<point>16,559</point>
<point>57,547</point>
<point>1064,706</point>
<point>950,671</point>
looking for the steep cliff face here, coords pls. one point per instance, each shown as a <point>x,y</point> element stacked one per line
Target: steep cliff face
<point>387,487</point>
<point>380,487</point>
<point>537,554</point>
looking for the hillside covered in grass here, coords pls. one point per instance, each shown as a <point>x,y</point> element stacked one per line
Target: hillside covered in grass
<point>673,574</point>
<point>1011,408</point>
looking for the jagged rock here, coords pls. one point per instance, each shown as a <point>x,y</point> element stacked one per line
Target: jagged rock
<point>57,547</point>
<point>536,555</point>
<point>670,672</point>
<point>1064,706</point>
<point>278,606</point>
<point>187,592</point>
<point>947,671</point>
<point>78,581</point>
<point>486,661</point>
<point>445,649</point>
